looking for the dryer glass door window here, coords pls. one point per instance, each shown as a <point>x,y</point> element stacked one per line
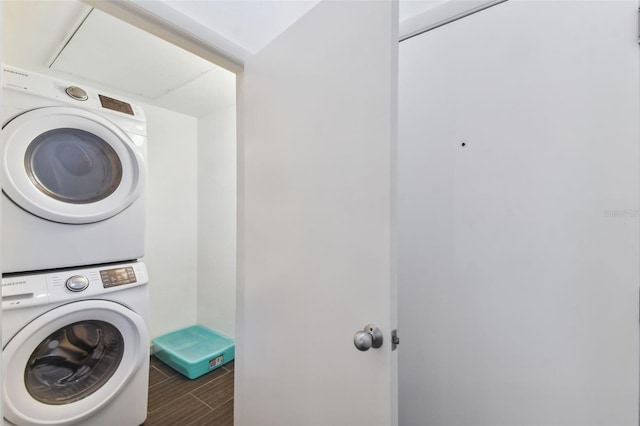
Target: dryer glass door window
<point>73,166</point>
<point>73,362</point>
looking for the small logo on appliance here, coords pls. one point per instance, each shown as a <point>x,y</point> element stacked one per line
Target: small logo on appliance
<point>15,72</point>
<point>10,283</point>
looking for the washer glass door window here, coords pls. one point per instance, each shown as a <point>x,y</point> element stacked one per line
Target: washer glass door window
<point>73,362</point>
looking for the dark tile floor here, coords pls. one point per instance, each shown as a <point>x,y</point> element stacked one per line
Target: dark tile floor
<point>176,400</point>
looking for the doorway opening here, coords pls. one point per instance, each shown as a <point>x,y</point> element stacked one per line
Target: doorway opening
<point>190,107</point>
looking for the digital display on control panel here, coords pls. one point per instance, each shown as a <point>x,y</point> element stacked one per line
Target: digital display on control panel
<point>116,105</point>
<point>118,276</point>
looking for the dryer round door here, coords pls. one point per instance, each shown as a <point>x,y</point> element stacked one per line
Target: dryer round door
<point>70,362</point>
<point>70,165</point>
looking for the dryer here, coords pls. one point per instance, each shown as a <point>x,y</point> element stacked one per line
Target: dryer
<point>74,175</point>
<point>75,346</point>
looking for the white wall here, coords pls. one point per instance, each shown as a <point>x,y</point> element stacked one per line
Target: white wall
<point>191,220</point>
<point>172,219</point>
<point>518,260</point>
<point>217,220</point>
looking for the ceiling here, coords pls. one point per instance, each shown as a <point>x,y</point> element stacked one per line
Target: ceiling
<point>72,41</point>
<point>250,24</point>
<point>69,39</point>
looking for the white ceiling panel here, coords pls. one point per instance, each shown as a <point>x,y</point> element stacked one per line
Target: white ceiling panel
<point>251,24</point>
<point>33,31</point>
<point>118,55</point>
<point>213,90</point>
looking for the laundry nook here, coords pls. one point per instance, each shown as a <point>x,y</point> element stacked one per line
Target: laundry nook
<point>320,213</point>
<point>100,232</point>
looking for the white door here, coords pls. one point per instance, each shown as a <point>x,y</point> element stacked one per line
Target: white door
<point>518,217</point>
<point>317,132</point>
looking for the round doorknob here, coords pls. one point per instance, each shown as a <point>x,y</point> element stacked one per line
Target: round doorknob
<point>370,337</point>
<point>362,340</point>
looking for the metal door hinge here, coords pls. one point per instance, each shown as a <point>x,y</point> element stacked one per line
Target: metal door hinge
<point>638,25</point>
<point>395,340</point>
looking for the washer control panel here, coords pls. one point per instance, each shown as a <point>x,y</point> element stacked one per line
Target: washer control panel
<point>23,290</point>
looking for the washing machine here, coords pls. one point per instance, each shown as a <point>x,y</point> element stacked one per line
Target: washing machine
<point>74,175</point>
<point>75,346</point>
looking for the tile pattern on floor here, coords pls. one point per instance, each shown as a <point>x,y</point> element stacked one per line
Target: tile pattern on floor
<point>176,400</point>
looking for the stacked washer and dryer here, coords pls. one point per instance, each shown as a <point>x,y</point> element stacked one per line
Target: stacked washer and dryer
<point>74,296</point>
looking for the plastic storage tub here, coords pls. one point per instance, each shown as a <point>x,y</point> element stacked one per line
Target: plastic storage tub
<point>194,351</point>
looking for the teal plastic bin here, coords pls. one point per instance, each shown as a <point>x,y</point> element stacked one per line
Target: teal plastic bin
<point>194,351</point>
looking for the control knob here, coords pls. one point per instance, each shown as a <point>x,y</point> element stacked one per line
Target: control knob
<point>77,93</point>
<point>77,283</point>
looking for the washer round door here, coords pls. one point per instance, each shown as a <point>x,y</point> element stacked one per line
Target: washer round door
<point>70,362</point>
<point>70,165</point>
